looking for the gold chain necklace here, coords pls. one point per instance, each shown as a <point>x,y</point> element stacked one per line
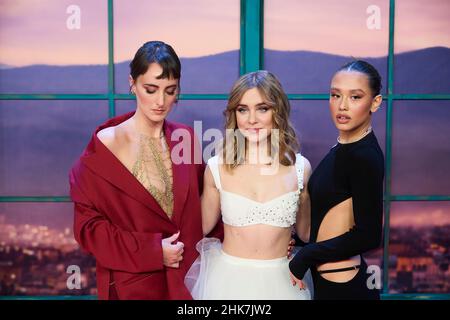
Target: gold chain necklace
<point>149,153</point>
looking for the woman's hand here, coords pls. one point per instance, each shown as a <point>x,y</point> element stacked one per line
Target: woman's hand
<point>290,247</point>
<point>172,253</point>
<point>296,282</point>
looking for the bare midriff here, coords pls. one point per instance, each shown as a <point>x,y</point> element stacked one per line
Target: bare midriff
<point>336,222</point>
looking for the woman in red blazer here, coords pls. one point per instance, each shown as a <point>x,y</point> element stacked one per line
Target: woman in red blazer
<point>137,208</point>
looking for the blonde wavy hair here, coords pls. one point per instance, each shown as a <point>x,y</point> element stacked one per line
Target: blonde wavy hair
<point>273,95</point>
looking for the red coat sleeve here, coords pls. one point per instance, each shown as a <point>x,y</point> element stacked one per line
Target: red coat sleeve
<point>113,247</point>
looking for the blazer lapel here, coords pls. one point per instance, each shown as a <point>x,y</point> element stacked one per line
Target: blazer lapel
<point>180,185</point>
<point>105,164</point>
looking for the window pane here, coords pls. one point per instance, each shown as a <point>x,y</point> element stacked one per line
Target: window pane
<point>41,140</point>
<point>125,106</point>
<point>316,131</point>
<point>36,249</point>
<point>42,50</point>
<point>204,34</point>
<point>420,148</point>
<point>307,41</point>
<point>419,247</point>
<point>422,47</point>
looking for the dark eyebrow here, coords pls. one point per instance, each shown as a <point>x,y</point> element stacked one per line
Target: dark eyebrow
<point>155,86</point>
<point>258,105</point>
<point>353,90</point>
<point>356,90</point>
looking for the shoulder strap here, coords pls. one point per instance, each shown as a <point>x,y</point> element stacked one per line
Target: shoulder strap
<point>213,164</point>
<point>299,168</point>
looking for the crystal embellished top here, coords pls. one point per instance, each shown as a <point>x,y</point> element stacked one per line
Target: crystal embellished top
<point>239,211</point>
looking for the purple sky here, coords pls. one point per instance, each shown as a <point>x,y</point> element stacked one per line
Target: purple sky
<point>33,32</point>
<point>420,213</point>
<point>340,27</point>
<point>194,28</point>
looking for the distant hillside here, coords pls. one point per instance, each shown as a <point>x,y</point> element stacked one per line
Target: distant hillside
<point>422,71</point>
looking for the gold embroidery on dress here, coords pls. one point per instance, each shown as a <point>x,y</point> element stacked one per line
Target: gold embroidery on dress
<point>153,169</point>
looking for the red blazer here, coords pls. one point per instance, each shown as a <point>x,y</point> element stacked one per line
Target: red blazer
<point>121,224</point>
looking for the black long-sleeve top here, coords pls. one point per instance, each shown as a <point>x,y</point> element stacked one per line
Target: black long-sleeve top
<point>354,170</point>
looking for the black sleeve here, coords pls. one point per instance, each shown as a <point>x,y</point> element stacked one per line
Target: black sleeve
<point>299,242</point>
<point>366,179</point>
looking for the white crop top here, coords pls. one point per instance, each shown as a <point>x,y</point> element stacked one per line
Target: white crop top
<point>239,211</point>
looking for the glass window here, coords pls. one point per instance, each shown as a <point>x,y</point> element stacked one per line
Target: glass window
<point>422,47</point>
<point>38,252</point>
<point>55,46</point>
<point>41,140</point>
<point>307,41</point>
<point>204,34</point>
<point>419,247</point>
<point>420,148</point>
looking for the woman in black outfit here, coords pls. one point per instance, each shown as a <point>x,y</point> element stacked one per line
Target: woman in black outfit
<point>346,192</point>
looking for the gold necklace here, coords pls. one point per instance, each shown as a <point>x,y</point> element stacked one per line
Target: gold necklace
<point>149,157</point>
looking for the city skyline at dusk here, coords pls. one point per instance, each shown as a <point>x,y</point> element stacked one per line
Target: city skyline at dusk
<point>35,260</point>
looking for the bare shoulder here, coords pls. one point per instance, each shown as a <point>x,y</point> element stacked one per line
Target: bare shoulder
<point>307,171</point>
<point>116,138</point>
<point>208,177</point>
<point>107,136</point>
<point>307,166</point>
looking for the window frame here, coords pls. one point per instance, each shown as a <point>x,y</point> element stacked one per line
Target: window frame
<point>251,58</point>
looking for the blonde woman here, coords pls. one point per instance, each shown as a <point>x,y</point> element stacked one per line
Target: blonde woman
<point>256,185</point>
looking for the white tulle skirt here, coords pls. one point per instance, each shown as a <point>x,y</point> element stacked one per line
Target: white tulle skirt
<point>216,275</point>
